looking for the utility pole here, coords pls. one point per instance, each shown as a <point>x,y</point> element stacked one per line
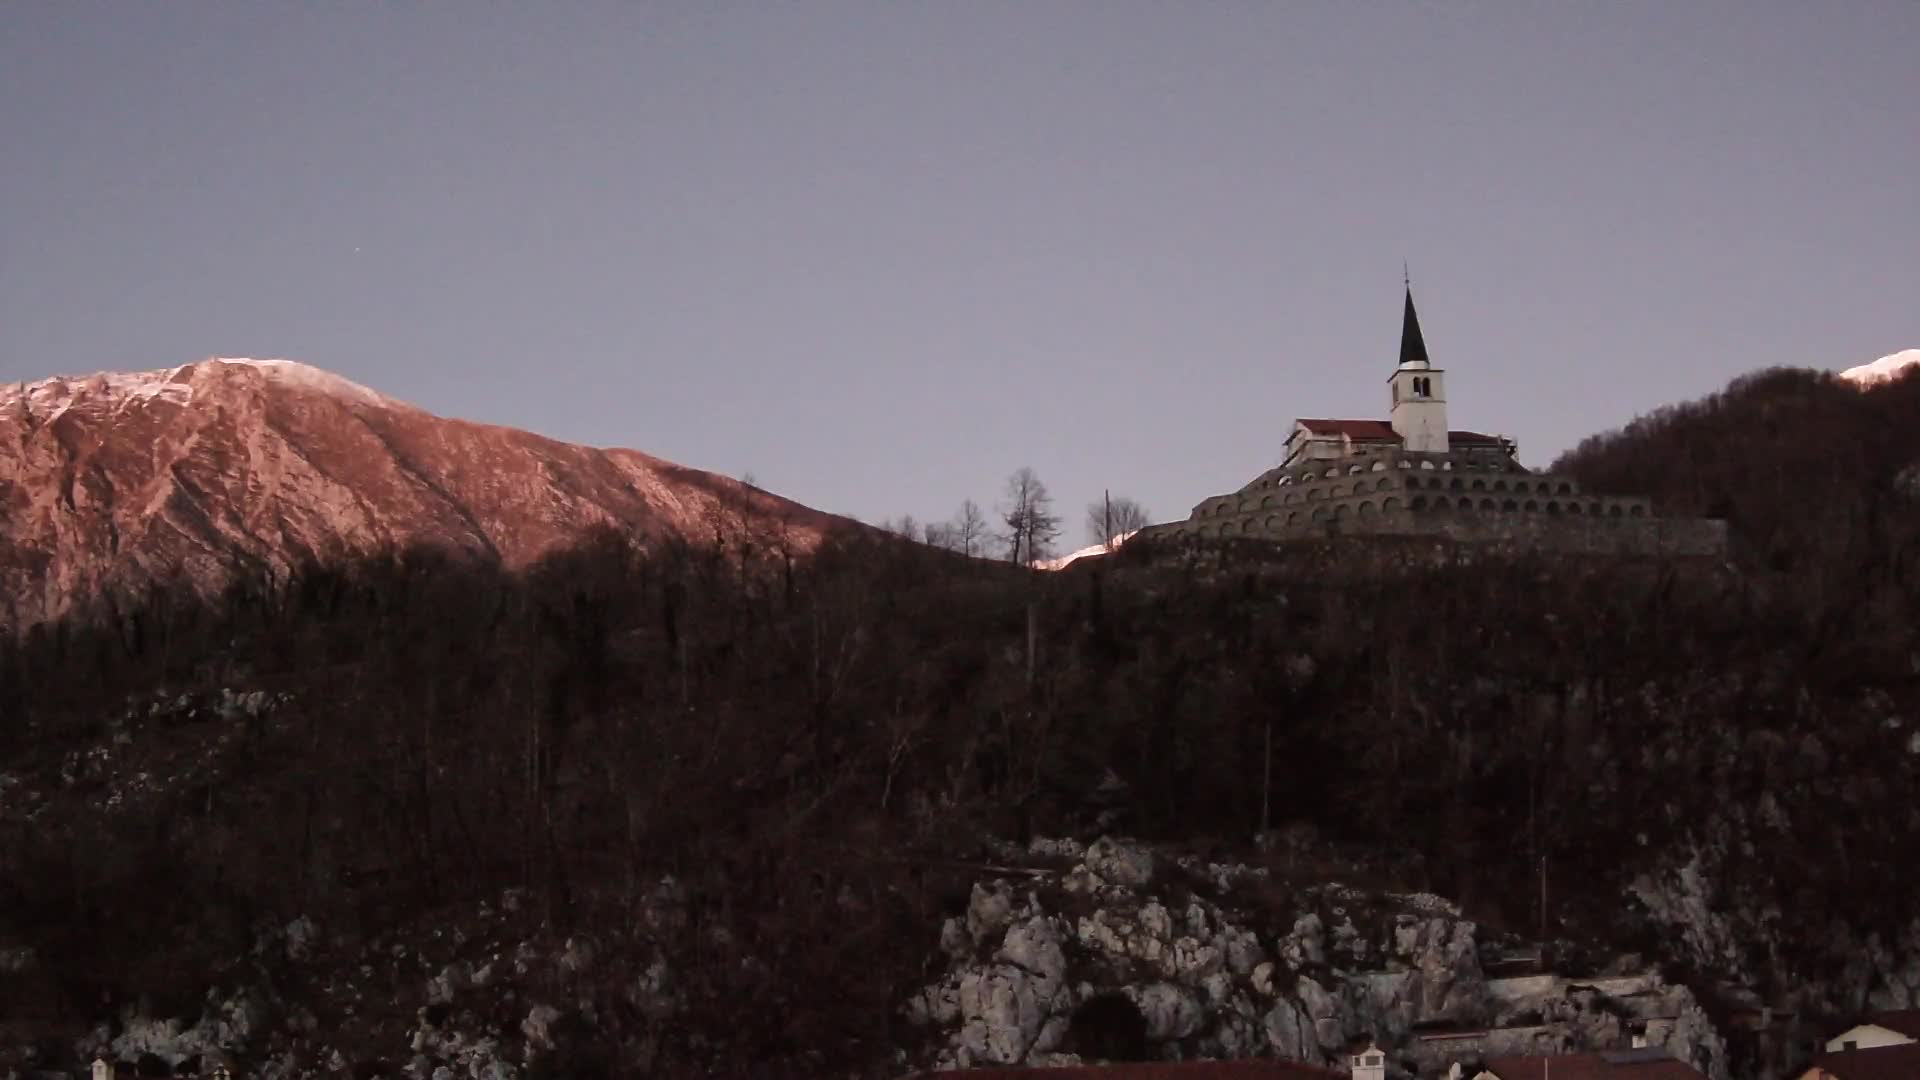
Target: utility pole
<point>1543,907</point>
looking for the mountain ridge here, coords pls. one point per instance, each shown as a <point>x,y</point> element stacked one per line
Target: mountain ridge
<point>118,480</point>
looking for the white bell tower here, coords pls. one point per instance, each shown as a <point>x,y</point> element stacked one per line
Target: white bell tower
<point>1419,391</point>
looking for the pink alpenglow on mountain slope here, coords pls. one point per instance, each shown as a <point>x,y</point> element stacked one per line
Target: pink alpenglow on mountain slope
<point>115,481</point>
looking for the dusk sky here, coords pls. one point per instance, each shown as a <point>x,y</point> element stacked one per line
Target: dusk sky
<point>880,255</point>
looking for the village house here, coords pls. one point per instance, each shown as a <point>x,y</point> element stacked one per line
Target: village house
<point>1900,1061</point>
<point>1882,1046</point>
<point>1644,1063</point>
<point>1893,1028</point>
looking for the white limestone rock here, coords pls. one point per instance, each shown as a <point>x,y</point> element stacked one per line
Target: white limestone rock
<point>1172,1012</point>
<point>1002,1010</point>
<point>1120,862</point>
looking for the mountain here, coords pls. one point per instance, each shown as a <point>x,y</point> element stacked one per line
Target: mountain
<point>118,481</point>
<point>1883,369</point>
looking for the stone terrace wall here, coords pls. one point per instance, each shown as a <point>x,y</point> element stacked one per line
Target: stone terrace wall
<point>1460,498</point>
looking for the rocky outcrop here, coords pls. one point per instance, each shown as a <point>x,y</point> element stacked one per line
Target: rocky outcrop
<point>1214,969</point>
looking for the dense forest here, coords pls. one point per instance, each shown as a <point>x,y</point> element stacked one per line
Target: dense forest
<point>814,748</point>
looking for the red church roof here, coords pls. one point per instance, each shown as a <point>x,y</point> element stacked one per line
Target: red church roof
<point>1472,437</point>
<point>1357,430</point>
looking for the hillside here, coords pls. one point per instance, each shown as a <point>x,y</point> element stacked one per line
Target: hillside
<point>119,482</point>
<point>667,808</point>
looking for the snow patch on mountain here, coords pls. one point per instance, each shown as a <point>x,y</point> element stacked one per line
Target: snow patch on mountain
<point>177,386</point>
<point>1887,367</point>
<point>1062,561</point>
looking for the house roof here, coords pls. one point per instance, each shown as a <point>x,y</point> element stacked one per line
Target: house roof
<point>1162,1070</point>
<point>1357,430</point>
<point>1901,1062</point>
<point>1473,437</point>
<point>1904,1021</point>
<point>1649,1064</point>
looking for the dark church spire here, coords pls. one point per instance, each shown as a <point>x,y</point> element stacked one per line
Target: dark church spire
<point>1413,347</point>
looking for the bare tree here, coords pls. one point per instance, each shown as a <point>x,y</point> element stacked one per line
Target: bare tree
<point>968,532</point>
<point>1027,511</point>
<point>1112,517</point>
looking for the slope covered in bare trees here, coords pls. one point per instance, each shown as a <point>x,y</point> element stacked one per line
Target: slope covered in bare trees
<point>817,752</point>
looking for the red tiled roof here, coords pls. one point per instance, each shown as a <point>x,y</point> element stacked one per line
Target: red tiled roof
<point>1900,1062</point>
<point>1621,1065</point>
<point>1472,437</point>
<point>1158,1070</point>
<point>1357,430</point>
<point>1904,1021</point>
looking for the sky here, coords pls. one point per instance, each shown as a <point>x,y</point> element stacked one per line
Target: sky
<point>880,255</point>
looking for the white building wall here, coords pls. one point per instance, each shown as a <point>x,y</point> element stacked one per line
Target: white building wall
<point>1420,418</point>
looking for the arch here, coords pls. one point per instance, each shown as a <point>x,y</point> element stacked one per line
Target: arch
<point>1465,503</point>
<point>1293,518</point>
<point>1419,502</point>
<point>1614,510</point>
<point>1377,466</point>
<point>1531,506</point>
<point>1405,464</point>
<point>1544,488</point>
<point>1454,484</point>
<point>1593,508</point>
<point>1446,466</point>
<point>1335,491</point>
<point>1366,509</point>
<point>1638,510</point>
<point>1566,489</point>
<point>1356,469</point>
<point>1274,524</point>
<point>1510,505</point>
<point>1289,499</point>
<point>1489,505</point>
<point>1266,502</point>
<point>1316,494</point>
<point>1285,480</point>
<point>1553,508</point>
<point>1389,506</point>
<point>1340,512</point>
<point>1499,485</point>
<point>1479,485</point>
<point>1573,508</point>
<point>1320,513</point>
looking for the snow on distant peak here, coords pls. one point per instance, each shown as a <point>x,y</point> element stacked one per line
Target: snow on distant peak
<point>1887,367</point>
<point>1060,563</point>
<point>306,376</point>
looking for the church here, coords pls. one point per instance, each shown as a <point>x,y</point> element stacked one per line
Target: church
<point>1412,474</point>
